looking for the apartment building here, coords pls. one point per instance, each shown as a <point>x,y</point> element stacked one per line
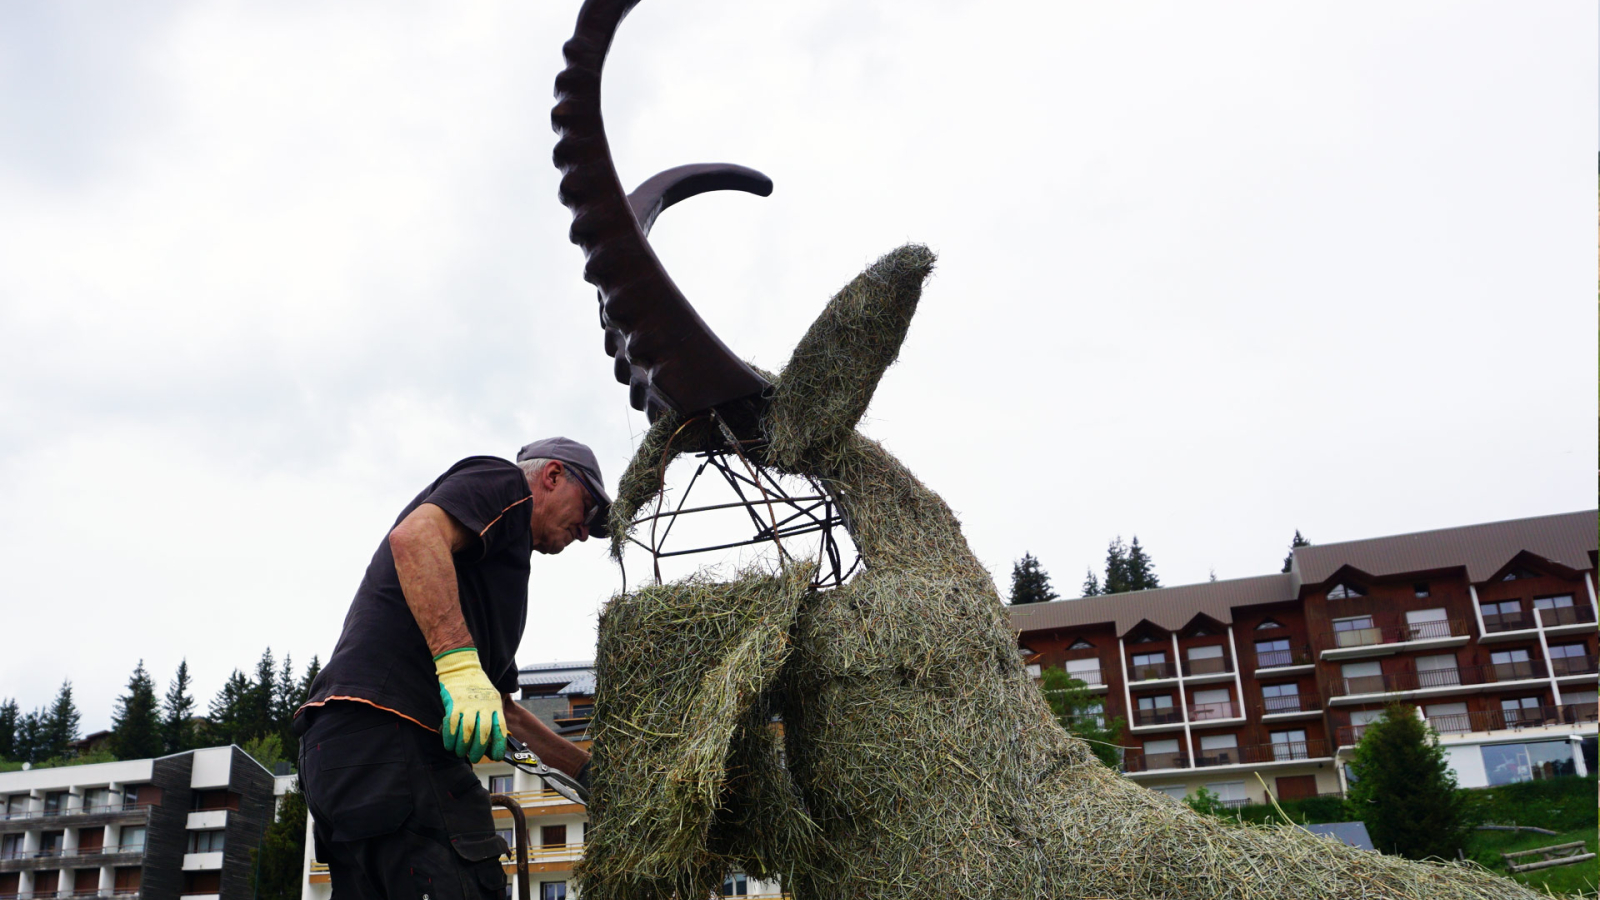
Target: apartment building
<point>1264,685</point>
<point>157,829</point>
<point>561,694</point>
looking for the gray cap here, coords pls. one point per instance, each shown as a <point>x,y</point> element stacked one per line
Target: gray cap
<point>580,460</point>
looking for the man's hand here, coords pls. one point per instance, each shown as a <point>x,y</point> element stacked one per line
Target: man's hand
<point>472,707</point>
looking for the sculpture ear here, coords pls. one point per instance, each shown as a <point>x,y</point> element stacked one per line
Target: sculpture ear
<point>824,390</point>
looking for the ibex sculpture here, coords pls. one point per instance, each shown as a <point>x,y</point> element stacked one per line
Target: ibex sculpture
<point>916,758</point>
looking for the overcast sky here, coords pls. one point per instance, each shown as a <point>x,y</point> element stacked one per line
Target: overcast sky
<point>1209,273</point>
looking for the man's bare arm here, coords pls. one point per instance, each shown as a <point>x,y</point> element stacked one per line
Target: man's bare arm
<point>556,751</point>
<point>422,545</point>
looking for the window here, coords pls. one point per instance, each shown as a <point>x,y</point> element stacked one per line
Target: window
<point>1522,711</point>
<point>1156,710</point>
<point>553,836</point>
<point>1267,624</point>
<point>17,805</point>
<point>1509,763</point>
<point>1175,791</point>
<point>1363,677</point>
<point>1280,698</point>
<point>1422,624</point>
<point>1212,705</point>
<point>205,841</point>
<point>736,885</point>
<point>552,890</point>
<point>1448,718</point>
<point>1355,631</point>
<point>1420,589</point>
<point>132,837</point>
<point>1150,665</point>
<point>1570,659</point>
<point>1273,653</point>
<point>1518,574</point>
<point>1505,615</point>
<point>1162,754</point>
<point>499,784</point>
<point>1231,793</point>
<point>1512,665</point>
<point>55,802</point>
<point>1559,610</point>
<point>1206,660</point>
<point>1290,745</point>
<point>11,846</point>
<point>1085,670</point>
<point>1081,644</point>
<point>1437,671</point>
<point>1560,601</point>
<point>95,798</point>
<point>510,837</point>
<point>1345,591</point>
<point>1219,749</point>
<point>51,842</point>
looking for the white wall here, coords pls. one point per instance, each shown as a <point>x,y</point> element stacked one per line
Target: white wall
<point>211,767</point>
<point>1466,760</point>
<point>92,775</point>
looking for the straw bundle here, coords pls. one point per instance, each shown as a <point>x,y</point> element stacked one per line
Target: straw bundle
<point>917,758</point>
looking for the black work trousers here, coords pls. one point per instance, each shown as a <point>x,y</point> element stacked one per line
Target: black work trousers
<point>396,817</point>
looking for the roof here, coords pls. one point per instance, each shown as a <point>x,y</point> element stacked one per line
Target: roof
<point>1566,539</point>
<point>575,677</point>
<point>1352,833</point>
<point>1170,608</point>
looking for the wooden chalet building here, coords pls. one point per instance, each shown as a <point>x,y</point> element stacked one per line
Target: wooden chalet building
<point>1489,630</point>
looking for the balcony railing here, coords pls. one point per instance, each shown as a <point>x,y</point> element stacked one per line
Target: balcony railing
<point>1496,720</point>
<point>62,852</point>
<point>1517,621</point>
<point>549,853</point>
<point>1395,634</point>
<point>1138,761</point>
<point>1222,756</point>
<point>129,806</point>
<point>1573,665</point>
<point>1088,676</point>
<point>1493,673</point>
<point>75,895</point>
<point>1151,671</point>
<point>1201,712</point>
<point>1166,715</point>
<point>1523,619</point>
<point>1213,666</point>
<point>1272,659</point>
<point>1305,701</point>
<point>1566,615</point>
<point>1285,751</point>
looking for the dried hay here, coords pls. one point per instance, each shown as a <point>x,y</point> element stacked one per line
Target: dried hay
<point>918,759</point>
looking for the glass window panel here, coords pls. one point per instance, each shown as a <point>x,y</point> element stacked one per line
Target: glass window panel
<point>1219,741</point>
<point>1228,791</point>
<point>1501,657</point>
<point>1212,651</point>
<point>1559,651</point>
<point>1166,746</point>
<point>1507,763</point>
<point>1559,602</point>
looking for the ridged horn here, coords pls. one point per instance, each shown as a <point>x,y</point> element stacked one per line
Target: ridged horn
<point>665,352</point>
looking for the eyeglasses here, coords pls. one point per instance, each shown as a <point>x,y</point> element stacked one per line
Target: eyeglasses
<point>591,516</point>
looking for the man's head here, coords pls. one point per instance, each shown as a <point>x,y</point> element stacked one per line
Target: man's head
<point>569,496</point>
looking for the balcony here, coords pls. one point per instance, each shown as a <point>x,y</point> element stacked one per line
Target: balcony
<point>1440,680</point>
<point>1495,720</point>
<point>1563,666</point>
<point>1562,616</point>
<point>1261,754</point>
<point>1294,704</point>
<point>1217,665</point>
<point>112,809</point>
<point>1139,761</point>
<point>549,853</point>
<point>1203,712</point>
<point>1508,626</point>
<point>1167,715</point>
<point>1152,671</point>
<point>1380,640</point>
<point>1284,659</point>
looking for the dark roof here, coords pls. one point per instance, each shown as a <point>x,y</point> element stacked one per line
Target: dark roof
<point>1352,833</point>
<point>1170,608</point>
<point>1566,539</point>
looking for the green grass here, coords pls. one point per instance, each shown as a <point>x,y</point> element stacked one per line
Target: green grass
<point>1578,878</point>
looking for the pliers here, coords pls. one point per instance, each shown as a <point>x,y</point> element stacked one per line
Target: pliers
<point>520,757</point>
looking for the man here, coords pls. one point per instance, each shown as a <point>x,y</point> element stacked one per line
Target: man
<point>420,683</point>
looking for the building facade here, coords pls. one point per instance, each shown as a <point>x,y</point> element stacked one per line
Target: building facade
<point>1263,685</point>
<point>157,829</point>
<point>561,694</point>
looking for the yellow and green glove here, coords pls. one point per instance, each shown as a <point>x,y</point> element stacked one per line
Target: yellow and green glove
<point>472,707</point>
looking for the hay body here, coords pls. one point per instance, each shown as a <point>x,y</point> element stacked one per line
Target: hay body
<point>919,760</point>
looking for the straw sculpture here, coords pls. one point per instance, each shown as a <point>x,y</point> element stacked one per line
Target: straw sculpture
<point>882,739</point>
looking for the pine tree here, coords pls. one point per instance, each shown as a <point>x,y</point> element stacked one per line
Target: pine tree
<point>1083,714</point>
<point>58,727</point>
<point>1030,583</point>
<point>135,727</point>
<point>258,719</point>
<point>1141,571</point>
<point>10,718</point>
<point>1116,578</point>
<point>1091,584</point>
<point>30,737</point>
<point>278,860</point>
<point>177,713</point>
<point>1298,541</point>
<point>303,692</point>
<point>227,716</point>
<point>1404,790</point>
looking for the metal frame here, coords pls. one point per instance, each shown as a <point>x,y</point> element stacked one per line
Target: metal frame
<point>759,492</point>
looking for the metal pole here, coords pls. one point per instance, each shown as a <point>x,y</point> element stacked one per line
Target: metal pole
<point>519,821</point>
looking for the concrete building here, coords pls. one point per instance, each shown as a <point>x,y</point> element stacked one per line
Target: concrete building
<point>561,694</point>
<point>157,829</point>
<point>1488,629</point>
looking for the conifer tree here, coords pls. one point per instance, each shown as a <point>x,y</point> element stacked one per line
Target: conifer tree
<point>1404,790</point>
<point>59,726</point>
<point>1030,583</point>
<point>227,718</point>
<point>257,717</point>
<point>177,713</point>
<point>303,691</point>
<point>10,718</point>
<point>135,726</point>
<point>284,703</point>
<point>1141,571</point>
<point>1298,541</point>
<point>30,737</point>
<point>278,860</point>
<point>1091,584</point>
<point>1116,577</point>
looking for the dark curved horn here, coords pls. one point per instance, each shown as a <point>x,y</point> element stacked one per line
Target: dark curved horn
<point>677,184</point>
<point>663,349</point>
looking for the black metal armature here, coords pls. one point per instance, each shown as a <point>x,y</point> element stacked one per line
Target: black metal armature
<point>775,514</point>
